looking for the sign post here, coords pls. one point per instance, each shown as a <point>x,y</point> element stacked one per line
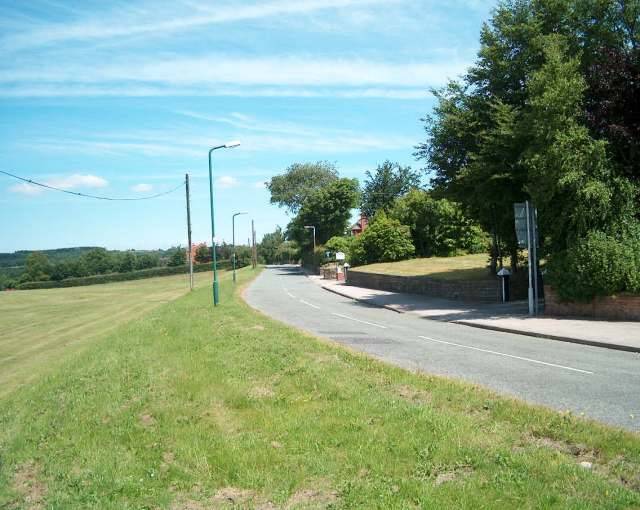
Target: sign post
<point>527,234</point>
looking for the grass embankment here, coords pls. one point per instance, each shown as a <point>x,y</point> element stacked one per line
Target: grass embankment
<point>192,408</point>
<point>464,267</point>
<point>37,327</point>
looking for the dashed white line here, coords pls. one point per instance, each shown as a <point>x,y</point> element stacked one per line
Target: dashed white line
<point>289,293</point>
<point>309,304</point>
<point>508,355</point>
<point>358,320</point>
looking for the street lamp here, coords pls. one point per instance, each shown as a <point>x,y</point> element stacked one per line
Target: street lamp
<point>216,295</point>
<point>233,236</point>
<point>314,235</point>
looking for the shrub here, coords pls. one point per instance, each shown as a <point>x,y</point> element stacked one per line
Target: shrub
<point>597,265</point>
<point>385,240</point>
<point>341,243</point>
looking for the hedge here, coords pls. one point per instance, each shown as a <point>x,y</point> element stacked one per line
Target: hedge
<point>121,277</point>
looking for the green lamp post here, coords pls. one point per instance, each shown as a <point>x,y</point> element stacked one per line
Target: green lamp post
<point>216,293</point>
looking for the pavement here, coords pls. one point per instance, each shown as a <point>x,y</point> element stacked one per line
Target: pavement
<point>602,384</point>
<point>508,317</point>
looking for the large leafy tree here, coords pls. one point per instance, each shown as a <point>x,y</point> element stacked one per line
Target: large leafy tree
<point>37,267</point>
<point>268,247</point>
<point>388,182</point>
<point>480,148</point>
<point>437,226</point>
<point>299,182</point>
<point>328,209</point>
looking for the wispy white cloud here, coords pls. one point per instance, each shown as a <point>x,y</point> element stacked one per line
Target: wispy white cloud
<point>78,181</point>
<point>142,188</point>
<point>65,182</point>
<point>259,185</point>
<point>219,71</point>
<point>227,181</point>
<point>24,188</point>
<point>153,20</point>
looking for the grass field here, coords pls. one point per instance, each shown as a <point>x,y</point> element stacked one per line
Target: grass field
<point>465,267</point>
<point>191,408</point>
<point>40,326</point>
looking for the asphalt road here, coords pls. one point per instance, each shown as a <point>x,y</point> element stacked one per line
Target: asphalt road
<point>601,383</point>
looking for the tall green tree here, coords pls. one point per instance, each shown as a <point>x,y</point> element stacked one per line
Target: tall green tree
<point>37,267</point>
<point>268,247</point>
<point>328,209</point>
<point>178,257</point>
<point>98,261</point>
<point>388,182</point>
<point>299,182</point>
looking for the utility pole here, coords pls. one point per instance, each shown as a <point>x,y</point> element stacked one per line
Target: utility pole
<point>254,253</point>
<point>186,177</point>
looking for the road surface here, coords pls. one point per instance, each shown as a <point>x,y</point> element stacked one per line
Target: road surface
<point>601,383</point>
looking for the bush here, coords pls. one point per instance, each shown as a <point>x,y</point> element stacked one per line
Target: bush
<point>120,277</point>
<point>597,265</point>
<point>314,260</point>
<point>385,240</point>
<point>341,243</point>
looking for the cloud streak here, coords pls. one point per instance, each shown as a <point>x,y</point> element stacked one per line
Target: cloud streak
<point>138,22</point>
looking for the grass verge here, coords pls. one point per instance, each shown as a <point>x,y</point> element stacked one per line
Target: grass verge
<point>194,408</point>
<point>465,267</point>
<point>39,327</point>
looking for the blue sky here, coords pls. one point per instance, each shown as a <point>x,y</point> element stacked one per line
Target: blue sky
<point>123,98</point>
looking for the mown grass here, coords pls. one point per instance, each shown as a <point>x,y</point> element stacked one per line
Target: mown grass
<point>192,408</point>
<point>38,327</point>
<point>464,267</point>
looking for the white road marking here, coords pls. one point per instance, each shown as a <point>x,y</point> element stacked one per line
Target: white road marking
<point>309,304</point>
<point>508,355</point>
<point>289,293</point>
<point>358,320</point>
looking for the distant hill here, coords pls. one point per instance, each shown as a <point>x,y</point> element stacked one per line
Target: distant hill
<point>17,258</point>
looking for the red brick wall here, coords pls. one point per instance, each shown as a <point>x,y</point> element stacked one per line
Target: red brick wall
<point>622,307</point>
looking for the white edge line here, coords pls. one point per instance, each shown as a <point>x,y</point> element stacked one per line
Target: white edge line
<point>358,320</point>
<point>508,355</point>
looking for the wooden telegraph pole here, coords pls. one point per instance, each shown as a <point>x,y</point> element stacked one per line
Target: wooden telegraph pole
<point>186,177</point>
<point>254,253</point>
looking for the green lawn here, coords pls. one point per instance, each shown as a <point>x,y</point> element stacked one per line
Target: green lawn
<point>465,267</point>
<point>39,326</point>
<point>194,408</point>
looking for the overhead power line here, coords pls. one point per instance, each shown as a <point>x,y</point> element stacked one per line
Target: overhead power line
<point>86,195</point>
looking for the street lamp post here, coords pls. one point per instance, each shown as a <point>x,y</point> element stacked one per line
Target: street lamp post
<point>314,235</point>
<point>233,241</point>
<point>216,294</point>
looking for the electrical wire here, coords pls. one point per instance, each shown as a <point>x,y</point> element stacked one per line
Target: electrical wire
<point>86,195</point>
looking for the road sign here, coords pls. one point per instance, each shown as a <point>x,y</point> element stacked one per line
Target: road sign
<point>520,214</point>
<point>340,255</point>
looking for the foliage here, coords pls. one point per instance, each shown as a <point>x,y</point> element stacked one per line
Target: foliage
<point>548,112</point>
<point>328,209</point>
<point>268,247</point>
<point>147,261</point>
<point>37,267</point>
<point>203,254</point>
<point>597,265</point>
<point>438,226</point>
<point>288,253</point>
<point>178,257</point>
<point>385,240</point>
<point>571,179</point>
<point>388,182</point>
<point>299,182</point>
<point>341,243</point>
